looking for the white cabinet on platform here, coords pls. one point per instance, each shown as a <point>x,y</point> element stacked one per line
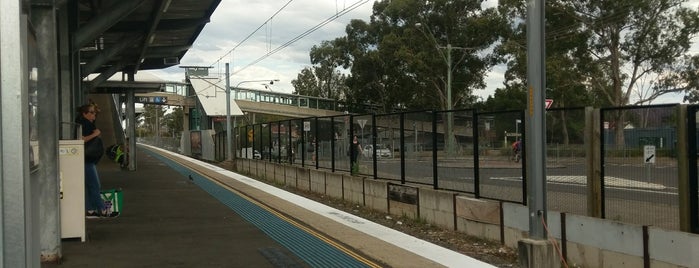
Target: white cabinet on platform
<point>72,188</point>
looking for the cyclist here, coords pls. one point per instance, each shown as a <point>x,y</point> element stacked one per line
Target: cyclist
<point>516,150</point>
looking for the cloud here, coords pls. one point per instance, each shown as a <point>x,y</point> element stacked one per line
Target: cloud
<point>235,20</point>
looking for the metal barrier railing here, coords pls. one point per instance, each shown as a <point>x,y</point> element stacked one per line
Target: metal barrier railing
<point>416,148</point>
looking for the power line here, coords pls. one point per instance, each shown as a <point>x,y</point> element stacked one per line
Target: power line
<point>306,33</point>
<point>293,40</point>
<point>253,32</point>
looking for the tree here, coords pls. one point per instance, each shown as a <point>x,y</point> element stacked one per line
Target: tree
<point>318,81</point>
<point>174,121</point>
<point>396,64</point>
<point>152,118</point>
<point>509,98</point>
<point>621,43</point>
<point>324,78</point>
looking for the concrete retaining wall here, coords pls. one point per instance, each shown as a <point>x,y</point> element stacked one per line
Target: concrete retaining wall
<point>354,189</point>
<point>402,209</point>
<point>438,206</point>
<point>269,171</point>
<point>279,174</point>
<point>333,185</point>
<point>318,181</point>
<point>303,179</point>
<point>672,247</point>
<point>515,223</point>
<point>252,167</point>
<point>478,217</point>
<point>403,200</point>
<point>245,165</point>
<point>589,242</point>
<point>290,175</point>
<point>376,195</point>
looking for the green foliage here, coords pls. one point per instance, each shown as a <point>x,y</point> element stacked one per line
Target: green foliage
<point>323,79</point>
<point>399,59</point>
<point>174,121</point>
<point>152,114</point>
<point>607,53</point>
<point>610,50</point>
<point>598,53</point>
<point>504,99</point>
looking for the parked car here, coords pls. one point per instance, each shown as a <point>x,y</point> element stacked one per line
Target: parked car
<point>382,151</point>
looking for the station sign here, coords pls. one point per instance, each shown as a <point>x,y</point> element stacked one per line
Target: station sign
<point>151,100</point>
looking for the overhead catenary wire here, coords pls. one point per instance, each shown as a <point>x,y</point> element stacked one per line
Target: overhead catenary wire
<point>306,33</point>
<point>253,32</point>
<point>337,15</point>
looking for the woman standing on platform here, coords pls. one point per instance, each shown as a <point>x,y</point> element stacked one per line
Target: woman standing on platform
<point>93,152</point>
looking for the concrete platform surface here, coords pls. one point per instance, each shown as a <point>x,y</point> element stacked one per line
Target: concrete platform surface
<point>170,220</point>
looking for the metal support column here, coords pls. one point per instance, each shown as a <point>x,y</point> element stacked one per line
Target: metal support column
<point>536,121</point>
<point>19,225</point>
<point>66,91</point>
<point>131,125</point>
<point>44,21</point>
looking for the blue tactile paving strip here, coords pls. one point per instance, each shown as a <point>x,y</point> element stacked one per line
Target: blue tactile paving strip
<point>311,249</point>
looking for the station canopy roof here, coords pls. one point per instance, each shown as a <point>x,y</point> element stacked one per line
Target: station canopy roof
<point>132,35</point>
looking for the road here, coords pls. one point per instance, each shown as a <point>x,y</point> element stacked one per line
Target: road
<point>633,193</point>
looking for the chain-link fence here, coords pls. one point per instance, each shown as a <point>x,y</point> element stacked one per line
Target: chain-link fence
<point>501,174</point>
<point>639,165</point>
<point>566,167</point>
<point>475,152</point>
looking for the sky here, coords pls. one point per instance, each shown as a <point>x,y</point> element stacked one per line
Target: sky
<point>243,32</point>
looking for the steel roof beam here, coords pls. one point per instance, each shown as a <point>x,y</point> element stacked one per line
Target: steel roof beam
<point>95,27</point>
<point>106,74</point>
<point>108,54</point>
<point>163,25</point>
<point>156,14</point>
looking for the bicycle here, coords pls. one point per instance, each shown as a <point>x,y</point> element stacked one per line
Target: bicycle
<point>516,156</point>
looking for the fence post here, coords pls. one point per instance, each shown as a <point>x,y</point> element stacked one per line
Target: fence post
<point>593,155</point>
<point>350,137</point>
<point>303,143</point>
<point>434,150</point>
<point>402,147</point>
<point>289,145</point>
<point>476,158</point>
<point>684,190</point>
<point>271,142</point>
<point>332,141</point>
<point>315,142</point>
<point>374,134</point>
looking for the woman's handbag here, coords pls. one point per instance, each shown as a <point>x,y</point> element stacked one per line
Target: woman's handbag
<point>94,150</point>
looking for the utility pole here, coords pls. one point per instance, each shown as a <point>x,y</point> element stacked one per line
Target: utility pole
<point>536,251</point>
<point>229,139</point>
<point>449,138</point>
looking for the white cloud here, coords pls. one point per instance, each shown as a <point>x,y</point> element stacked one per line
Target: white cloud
<point>234,20</point>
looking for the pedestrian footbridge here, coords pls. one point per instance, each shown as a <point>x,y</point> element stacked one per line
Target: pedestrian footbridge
<point>210,93</point>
